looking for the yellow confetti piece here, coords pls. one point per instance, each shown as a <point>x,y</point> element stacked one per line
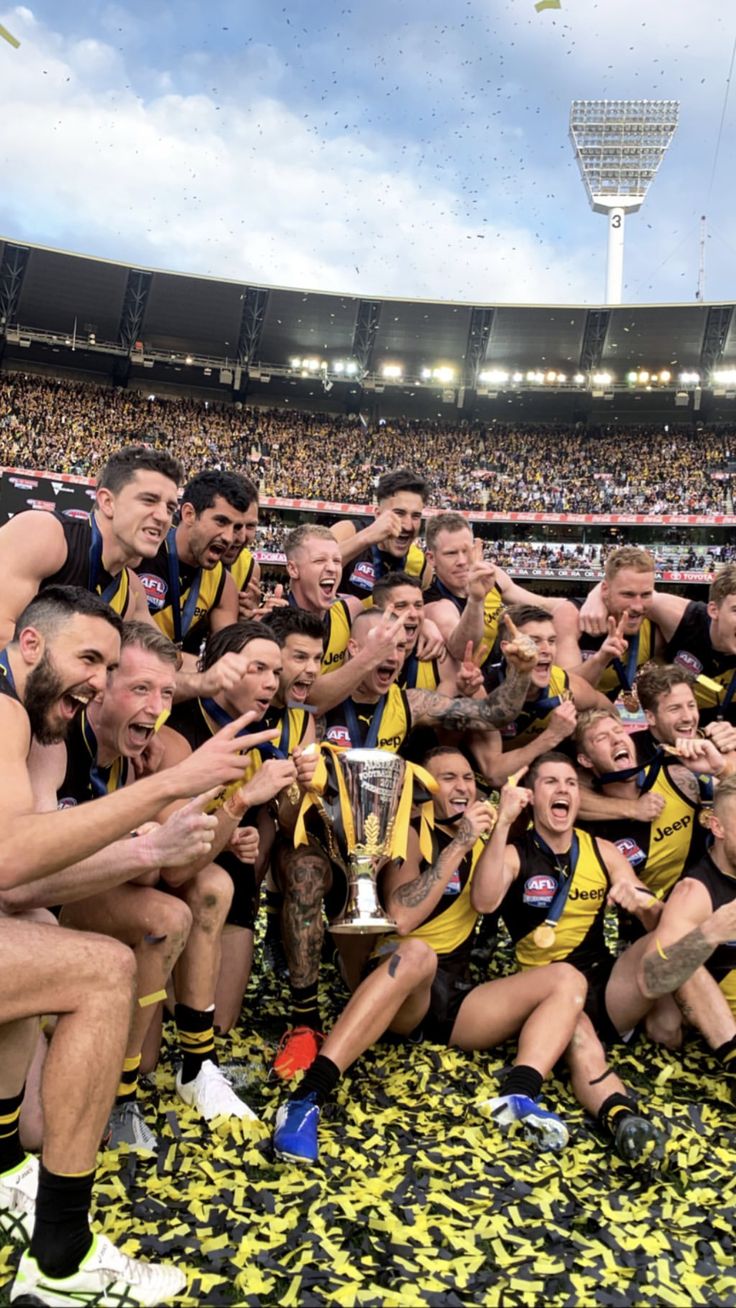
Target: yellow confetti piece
<point>8,36</point>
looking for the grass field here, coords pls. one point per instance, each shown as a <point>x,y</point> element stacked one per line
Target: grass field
<point>417,1199</point>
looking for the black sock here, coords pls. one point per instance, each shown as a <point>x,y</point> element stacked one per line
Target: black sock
<point>725,1053</point>
<point>12,1152</point>
<point>304,1007</point>
<point>196,1038</point>
<point>614,1109</point>
<point>320,1080</point>
<point>523,1080</point>
<point>61,1235</point>
<point>274,900</point>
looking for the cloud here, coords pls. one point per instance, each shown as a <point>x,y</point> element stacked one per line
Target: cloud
<point>421,158</point>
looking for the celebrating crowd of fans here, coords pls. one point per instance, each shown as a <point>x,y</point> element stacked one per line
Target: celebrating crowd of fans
<point>175,742</point>
<point>475,465</point>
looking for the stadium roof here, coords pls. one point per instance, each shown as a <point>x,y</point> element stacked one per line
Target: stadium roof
<point>143,314</point>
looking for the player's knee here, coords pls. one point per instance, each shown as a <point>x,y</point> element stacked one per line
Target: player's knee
<point>418,960</point>
<point>173,920</point>
<point>664,1028</point>
<point>306,875</point>
<point>117,967</point>
<point>211,894</point>
<point>570,983</point>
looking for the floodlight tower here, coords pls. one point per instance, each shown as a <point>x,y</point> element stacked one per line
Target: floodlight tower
<point>619,145</point>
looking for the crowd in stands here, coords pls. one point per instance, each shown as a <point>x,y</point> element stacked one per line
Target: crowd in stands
<point>74,427</point>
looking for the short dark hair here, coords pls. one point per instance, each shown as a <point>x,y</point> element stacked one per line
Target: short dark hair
<point>234,638</point>
<point>55,605</point>
<point>521,614</point>
<point>402,480</point>
<point>122,466</point>
<point>658,681</point>
<point>291,621</point>
<point>202,490</point>
<point>551,756</point>
<point>437,750</point>
<point>392,581</point>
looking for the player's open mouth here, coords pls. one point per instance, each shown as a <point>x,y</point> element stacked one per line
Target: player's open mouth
<point>561,807</point>
<point>621,755</point>
<point>261,706</point>
<point>141,732</point>
<point>458,805</point>
<point>385,672</point>
<point>685,729</point>
<point>300,689</point>
<point>327,586</point>
<point>74,701</point>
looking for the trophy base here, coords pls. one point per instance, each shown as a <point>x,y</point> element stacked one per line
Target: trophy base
<point>363,927</point>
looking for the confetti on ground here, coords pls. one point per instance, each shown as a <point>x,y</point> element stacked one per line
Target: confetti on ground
<point>417,1199</point>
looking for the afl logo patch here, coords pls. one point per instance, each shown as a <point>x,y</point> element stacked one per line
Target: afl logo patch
<point>539,891</point>
<point>630,850</point>
<point>339,736</point>
<point>156,590</point>
<point>363,575</point>
<point>67,802</point>
<point>684,659</point>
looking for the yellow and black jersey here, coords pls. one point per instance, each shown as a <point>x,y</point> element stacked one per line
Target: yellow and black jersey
<point>199,719</point>
<point>448,929</point>
<point>337,627</point>
<point>241,570</point>
<point>621,674</point>
<point>180,597</point>
<point>579,934</point>
<point>722,890</point>
<point>361,574</point>
<point>419,674</point>
<point>85,778</point>
<point>492,606</point>
<point>383,725</point>
<point>691,648</point>
<point>83,565</point>
<point>535,715</point>
<point>657,850</point>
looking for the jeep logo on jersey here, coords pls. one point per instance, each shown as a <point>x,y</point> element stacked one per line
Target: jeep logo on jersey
<point>339,735</point>
<point>684,659</point>
<point>156,589</point>
<point>539,891</point>
<point>631,850</point>
<point>363,574</point>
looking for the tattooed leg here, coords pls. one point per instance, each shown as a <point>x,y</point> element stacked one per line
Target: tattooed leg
<point>305,876</point>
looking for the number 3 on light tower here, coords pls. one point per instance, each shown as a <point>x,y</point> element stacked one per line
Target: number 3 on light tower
<point>616,220</point>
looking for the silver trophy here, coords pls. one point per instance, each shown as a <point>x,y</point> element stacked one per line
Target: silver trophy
<point>374,780</point>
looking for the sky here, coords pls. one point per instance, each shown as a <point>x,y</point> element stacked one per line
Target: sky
<point>384,148</point>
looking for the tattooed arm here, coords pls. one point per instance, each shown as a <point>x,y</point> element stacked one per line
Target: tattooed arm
<point>413,888</point>
<point>501,706</point>
<point>688,933</point>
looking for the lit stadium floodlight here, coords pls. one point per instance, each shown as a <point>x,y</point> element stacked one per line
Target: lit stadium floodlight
<point>619,145</point>
<point>496,376</point>
<point>392,371</point>
<point>690,378</point>
<point>724,376</point>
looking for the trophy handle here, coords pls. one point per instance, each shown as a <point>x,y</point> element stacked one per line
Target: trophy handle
<point>363,913</point>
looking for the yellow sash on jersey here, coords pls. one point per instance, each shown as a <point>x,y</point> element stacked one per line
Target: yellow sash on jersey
<point>727,986</point>
<point>329,770</point>
<point>709,691</point>
<point>208,589</point>
<point>670,837</point>
<point>241,570</point>
<point>338,635</point>
<point>585,900</point>
<point>119,601</point>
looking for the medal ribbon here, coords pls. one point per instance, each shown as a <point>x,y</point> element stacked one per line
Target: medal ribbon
<point>556,908</point>
<point>6,672</point>
<point>95,564</point>
<point>627,675</point>
<point>222,718</point>
<point>100,777</point>
<point>181,618</point>
<point>353,725</point>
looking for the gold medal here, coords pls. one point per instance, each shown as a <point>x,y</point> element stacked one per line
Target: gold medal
<point>630,701</point>
<point>544,936</point>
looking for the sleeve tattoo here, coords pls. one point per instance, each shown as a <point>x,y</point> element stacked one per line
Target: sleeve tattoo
<point>663,975</point>
<point>502,705</point>
<point>413,893</point>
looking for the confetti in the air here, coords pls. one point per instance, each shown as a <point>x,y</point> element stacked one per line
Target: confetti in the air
<point>547,4</point>
<point>8,36</point>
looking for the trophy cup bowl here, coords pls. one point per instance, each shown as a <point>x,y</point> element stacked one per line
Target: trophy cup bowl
<point>374,780</point>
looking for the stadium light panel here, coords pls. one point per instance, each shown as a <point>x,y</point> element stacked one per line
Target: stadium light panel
<point>579,379</point>
<point>665,375</point>
<point>725,376</point>
<point>518,376</point>
<point>392,371</point>
<point>602,378</point>
<point>496,376</point>
<point>619,146</point>
<point>426,373</point>
<point>690,378</point>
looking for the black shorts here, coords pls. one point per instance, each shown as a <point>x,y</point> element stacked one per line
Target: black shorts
<point>242,911</point>
<point>598,975</point>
